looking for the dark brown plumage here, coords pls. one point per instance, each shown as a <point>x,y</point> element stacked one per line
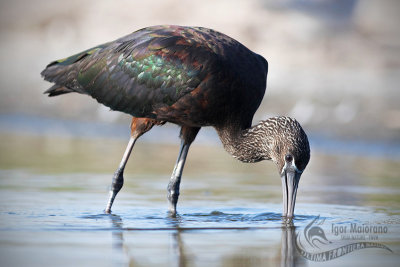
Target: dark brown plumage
<point>193,77</point>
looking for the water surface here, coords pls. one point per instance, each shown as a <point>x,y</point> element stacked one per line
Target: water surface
<point>53,192</point>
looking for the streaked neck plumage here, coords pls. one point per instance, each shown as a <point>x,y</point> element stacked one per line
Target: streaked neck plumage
<point>270,139</point>
<point>247,145</point>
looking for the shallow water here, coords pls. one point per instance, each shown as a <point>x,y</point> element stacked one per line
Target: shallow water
<point>53,194</point>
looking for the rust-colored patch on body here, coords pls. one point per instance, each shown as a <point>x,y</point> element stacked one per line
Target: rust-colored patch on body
<point>139,126</point>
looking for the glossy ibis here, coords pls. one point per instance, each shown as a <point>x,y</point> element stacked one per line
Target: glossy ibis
<point>193,77</point>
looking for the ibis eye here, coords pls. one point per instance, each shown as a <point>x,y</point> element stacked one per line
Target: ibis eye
<point>289,158</point>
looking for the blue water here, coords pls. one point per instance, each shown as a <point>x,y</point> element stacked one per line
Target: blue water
<point>57,220</point>
<point>53,215</point>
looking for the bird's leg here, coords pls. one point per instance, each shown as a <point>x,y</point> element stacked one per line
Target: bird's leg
<point>175,181</point>
<point>118,178</point>
<point>188,134</point>
<point>138,127</point>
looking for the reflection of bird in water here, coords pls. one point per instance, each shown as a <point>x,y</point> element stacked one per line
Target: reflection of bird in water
<point>289,254</point>
<point>178,246</point>
<point>193,77</point>
<point>315,234</point>
<point>120,256</point>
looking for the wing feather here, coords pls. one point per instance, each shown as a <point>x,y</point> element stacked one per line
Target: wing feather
<point>136,74</point>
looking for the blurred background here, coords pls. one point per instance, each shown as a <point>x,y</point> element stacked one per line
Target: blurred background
<point>334,65</point>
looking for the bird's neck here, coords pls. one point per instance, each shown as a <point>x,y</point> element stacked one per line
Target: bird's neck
<point>246,145</point>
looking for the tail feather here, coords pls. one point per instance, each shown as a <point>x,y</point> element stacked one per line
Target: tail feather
<point>63,73</point>
<point>56,90</point>
<point>63,77</point>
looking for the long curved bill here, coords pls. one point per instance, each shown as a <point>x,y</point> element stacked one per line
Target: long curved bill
<point>290,181</point>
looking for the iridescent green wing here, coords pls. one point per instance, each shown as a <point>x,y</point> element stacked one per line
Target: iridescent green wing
<point>142,72</point>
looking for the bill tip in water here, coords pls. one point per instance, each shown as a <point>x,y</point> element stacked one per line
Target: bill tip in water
<point>287,221</point>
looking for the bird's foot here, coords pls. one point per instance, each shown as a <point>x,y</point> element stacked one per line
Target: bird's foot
<point>172,213</point>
